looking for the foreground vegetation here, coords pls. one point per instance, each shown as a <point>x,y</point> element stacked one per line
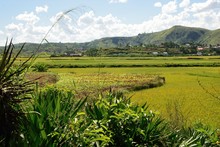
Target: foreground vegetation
<point>56,118</point>
<point>31,116</point>
<point>110,120</point>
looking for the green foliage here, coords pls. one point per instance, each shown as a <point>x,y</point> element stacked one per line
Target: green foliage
<point>92,52</point>
<point>170,44</point>
<point>56,118</point>
<point>13,92</point>
<point>40,67</point>
<point>126,124</point>
<point>52,112</point>
<point>112,120</point>
<point>197,135</point>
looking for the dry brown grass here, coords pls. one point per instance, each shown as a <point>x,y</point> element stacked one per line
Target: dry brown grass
<point>43,78</point>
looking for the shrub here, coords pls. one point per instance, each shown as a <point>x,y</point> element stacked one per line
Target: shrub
<point>40,68</point>
<point>126,124</point>
<point>53,111</point>
<point>112,120</point>
<point>59,119</point>
<point>197,135</point>
<point>13,92</point>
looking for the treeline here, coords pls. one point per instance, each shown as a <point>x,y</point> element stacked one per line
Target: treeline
<point>164,49</point>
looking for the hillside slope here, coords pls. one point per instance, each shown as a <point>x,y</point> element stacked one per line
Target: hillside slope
<point>176,34</point>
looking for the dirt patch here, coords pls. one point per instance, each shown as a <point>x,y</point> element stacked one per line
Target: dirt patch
<point>42,78</point>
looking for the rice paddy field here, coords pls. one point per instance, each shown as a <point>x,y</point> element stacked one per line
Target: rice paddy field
<point>190,94</point>
<point>83,62</point>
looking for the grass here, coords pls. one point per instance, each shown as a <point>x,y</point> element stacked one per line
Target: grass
<point>56,118</point>
<point>181,86</point>
<point>189,87</point>
<point>88,84</point>
<point>42,78</point>
<point>82,62</point>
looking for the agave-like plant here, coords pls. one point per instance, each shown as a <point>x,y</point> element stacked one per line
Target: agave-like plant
<point>13,91</point>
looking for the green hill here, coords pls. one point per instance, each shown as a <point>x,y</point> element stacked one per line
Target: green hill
<point>212,37</point>
<point>179,35</point>
<point>176,34</point>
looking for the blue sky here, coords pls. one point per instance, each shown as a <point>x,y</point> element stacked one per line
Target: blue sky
<point>28,21</point>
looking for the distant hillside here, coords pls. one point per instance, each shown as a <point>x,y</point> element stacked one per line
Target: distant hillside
<point>176,34</point>
<point>211,37</point>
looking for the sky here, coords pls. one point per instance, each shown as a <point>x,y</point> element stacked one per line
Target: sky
<point>31,21</point>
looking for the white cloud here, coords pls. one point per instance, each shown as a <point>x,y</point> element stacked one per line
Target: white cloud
<point>40,9</point>
<point>28,17</point>
<point>59,17</point>
<point>170,7</point>
<point>212,17</point>
<point>86,19</point>
<point>118,1</point>
<point>184,3</point>
<point>14,27</point>
<point>158,4</point>
<point>208,5</point>
<point>205,15</point>
<point>40,29</point>
<point>89,26</point>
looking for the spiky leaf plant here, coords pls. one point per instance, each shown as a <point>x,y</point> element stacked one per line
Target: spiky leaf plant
<point>13,91</point>
<point>127,124</point>
<point>50,125</point>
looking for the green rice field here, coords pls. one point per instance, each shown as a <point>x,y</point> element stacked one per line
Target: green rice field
<point>190,94</point>
<point>82,62</point>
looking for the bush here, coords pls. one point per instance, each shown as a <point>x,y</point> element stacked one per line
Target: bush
<point>53,111</point>
<point>14,92</point>
<point>126,124</point>
<point>40,68</point>
<point>57,118</point>
<point>197,135</point>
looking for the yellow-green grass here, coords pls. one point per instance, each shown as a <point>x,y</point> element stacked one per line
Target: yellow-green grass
<point>93,83</point>
<point>182,83</point>
<point>127,61</point>
<point>190,87</point>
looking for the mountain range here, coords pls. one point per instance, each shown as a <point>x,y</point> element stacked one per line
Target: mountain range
<point>175,34</point>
